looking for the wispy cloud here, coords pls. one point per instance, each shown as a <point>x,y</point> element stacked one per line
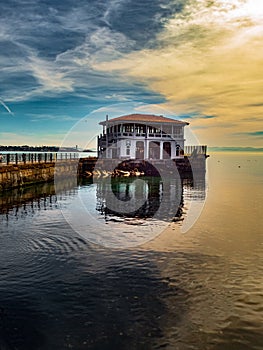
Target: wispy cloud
<point>258,133</point>
<point>50,117</point>
<point>196,59</point>
<point>259,104</point>
<point>57,47</point>
<point>49,76</point>
<point>198,116</point>
<point>208,63</point>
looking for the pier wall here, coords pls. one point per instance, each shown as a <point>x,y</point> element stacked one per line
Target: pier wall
<point>15,176</point>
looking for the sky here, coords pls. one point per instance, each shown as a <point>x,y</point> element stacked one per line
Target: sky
<point>66,64</point>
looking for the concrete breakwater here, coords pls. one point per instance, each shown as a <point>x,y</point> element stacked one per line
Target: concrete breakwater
<point>19,175</point>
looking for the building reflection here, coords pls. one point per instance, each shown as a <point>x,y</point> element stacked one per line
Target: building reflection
<point>155,197</point>
<point>131,197</point>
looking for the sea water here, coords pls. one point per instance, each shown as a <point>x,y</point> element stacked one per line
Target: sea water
<point>199,288</point>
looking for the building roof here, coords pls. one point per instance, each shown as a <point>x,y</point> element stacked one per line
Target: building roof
<point>143,118</point>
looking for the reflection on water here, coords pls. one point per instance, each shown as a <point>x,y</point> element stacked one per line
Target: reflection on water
<point>114,212</point>
<point>201,291</point>
<point>141,207</point>
<point>147,194</point>
<point>22,199</point>
<point>148,198</point>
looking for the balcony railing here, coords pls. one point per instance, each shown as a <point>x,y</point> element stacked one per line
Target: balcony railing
<point>118,135</point>
<point>195,150</point>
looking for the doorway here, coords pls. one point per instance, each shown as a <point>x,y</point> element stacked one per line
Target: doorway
<point>139,150</point>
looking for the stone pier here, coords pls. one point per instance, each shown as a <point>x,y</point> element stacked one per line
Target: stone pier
<point>15,176</point>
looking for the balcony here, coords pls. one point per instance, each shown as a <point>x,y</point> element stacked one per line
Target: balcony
<point>124,135</point>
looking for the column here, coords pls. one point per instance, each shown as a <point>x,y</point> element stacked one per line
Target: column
<point>146,149</point>
<point>161,149</point>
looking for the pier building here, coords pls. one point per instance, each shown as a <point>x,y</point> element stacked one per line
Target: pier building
<point>141,136</point>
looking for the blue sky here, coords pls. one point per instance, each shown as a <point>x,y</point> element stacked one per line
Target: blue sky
<point>62,62</point>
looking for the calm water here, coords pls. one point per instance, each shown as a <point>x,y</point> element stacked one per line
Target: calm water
<point>201,289</point>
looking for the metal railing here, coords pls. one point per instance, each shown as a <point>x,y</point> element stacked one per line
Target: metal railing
<point>31,158</point>
<point>194,150</point>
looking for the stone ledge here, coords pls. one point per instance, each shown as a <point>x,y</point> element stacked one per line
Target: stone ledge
<point>19,175</point>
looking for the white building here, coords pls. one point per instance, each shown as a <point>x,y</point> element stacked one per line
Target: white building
<point>141,136</point>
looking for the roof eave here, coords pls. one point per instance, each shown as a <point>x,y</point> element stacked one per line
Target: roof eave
<point>141,122</point>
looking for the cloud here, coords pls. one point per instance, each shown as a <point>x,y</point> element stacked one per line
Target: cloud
<point>208,63</point>
<point>259,104</point>
<point>50,117</point>
<point>54,48</point>
<point>197,116</point>
<point>254,133</point>
<point>208,117</point>
<point>49,75</point>
<point>141,22</point>
<point>198,59</point>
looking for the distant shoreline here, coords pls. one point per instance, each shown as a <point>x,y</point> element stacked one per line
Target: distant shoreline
<point>235,149</point>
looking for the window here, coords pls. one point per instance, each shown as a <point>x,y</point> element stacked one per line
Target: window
<point>129,127</point>
<point>178,132</point>
<point>167,129</point>
<point>177,151</point>
<point>128,147</point>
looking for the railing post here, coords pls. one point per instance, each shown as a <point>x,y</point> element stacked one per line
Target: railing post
<point>16,158</point>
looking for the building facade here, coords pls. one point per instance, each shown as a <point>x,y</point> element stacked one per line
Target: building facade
<point>141,136</point>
